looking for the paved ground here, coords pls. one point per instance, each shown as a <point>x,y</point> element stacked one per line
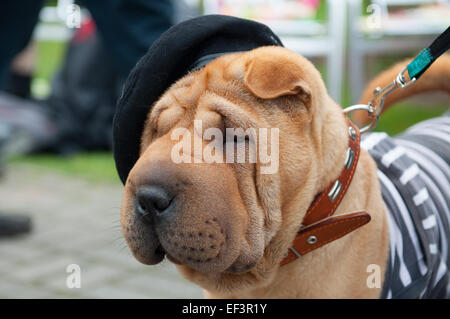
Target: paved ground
<point>75,222</point>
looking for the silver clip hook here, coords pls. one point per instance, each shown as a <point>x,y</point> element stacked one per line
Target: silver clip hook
<point>401,79</point>
<point>372,109</point>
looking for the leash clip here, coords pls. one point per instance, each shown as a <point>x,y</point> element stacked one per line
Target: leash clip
<point>375,105</point>
<point>402,81</point>
<point>370,109</point>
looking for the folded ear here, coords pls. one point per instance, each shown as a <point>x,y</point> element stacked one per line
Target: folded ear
<point>270,76</point>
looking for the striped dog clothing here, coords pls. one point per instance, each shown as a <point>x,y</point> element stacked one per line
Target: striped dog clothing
<point>414,173</point>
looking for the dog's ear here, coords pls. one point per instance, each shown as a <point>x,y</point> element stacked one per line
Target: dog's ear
<point>271,76</point>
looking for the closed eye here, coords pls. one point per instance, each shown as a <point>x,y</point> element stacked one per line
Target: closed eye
<point>168,118</point>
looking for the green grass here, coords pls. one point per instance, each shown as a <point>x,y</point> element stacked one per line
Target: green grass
<point>49,57</point>
<point>403,115</point>
<point>94,166</point>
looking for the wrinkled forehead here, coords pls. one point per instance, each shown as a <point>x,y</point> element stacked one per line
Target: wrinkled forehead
<point>223,74</point>
<point>225,67</point>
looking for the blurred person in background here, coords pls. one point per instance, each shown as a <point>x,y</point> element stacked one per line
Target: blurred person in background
<point>78,114</point>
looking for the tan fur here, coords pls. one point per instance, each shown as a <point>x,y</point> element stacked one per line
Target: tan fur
<point>435,79</point>
<point>257,216</point>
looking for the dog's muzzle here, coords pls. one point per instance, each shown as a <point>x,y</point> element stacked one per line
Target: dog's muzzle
<point>177,212</point>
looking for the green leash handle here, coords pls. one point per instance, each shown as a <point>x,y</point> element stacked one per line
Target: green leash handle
<point>427,56</point>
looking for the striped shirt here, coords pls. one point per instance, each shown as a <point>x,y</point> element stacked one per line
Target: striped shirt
<point>414,173</point>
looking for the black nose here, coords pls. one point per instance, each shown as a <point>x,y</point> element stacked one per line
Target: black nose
<point>152,200</point>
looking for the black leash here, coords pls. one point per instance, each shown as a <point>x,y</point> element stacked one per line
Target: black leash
<point>427,56</point>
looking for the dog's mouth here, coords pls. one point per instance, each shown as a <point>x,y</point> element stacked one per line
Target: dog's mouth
<point>207,238</point>
<point>208,245</point>
<point>205,247</point>
<point>205,256</point>
<point>235,268</point>
<point>211,249</point>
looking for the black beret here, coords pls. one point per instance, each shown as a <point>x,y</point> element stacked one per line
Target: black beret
<point>184,47</point>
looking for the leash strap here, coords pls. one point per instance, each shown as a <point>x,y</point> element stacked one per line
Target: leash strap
<point>427,56</point>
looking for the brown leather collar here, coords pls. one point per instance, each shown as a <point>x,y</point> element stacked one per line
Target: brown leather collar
<point>318,228</point>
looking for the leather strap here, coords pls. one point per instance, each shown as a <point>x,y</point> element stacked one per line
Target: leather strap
<point>324,232</point>
<point>323,206</point>
<point>317,228</point>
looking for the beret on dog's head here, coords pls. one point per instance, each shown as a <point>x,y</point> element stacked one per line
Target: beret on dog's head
<point>182,48</point>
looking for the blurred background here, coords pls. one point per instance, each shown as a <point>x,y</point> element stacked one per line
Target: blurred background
<point>62,67</point>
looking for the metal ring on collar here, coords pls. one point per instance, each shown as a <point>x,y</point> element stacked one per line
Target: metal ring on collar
<point>364,107</point>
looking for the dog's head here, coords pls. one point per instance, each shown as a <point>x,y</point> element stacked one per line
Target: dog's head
<point>227,225</point>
